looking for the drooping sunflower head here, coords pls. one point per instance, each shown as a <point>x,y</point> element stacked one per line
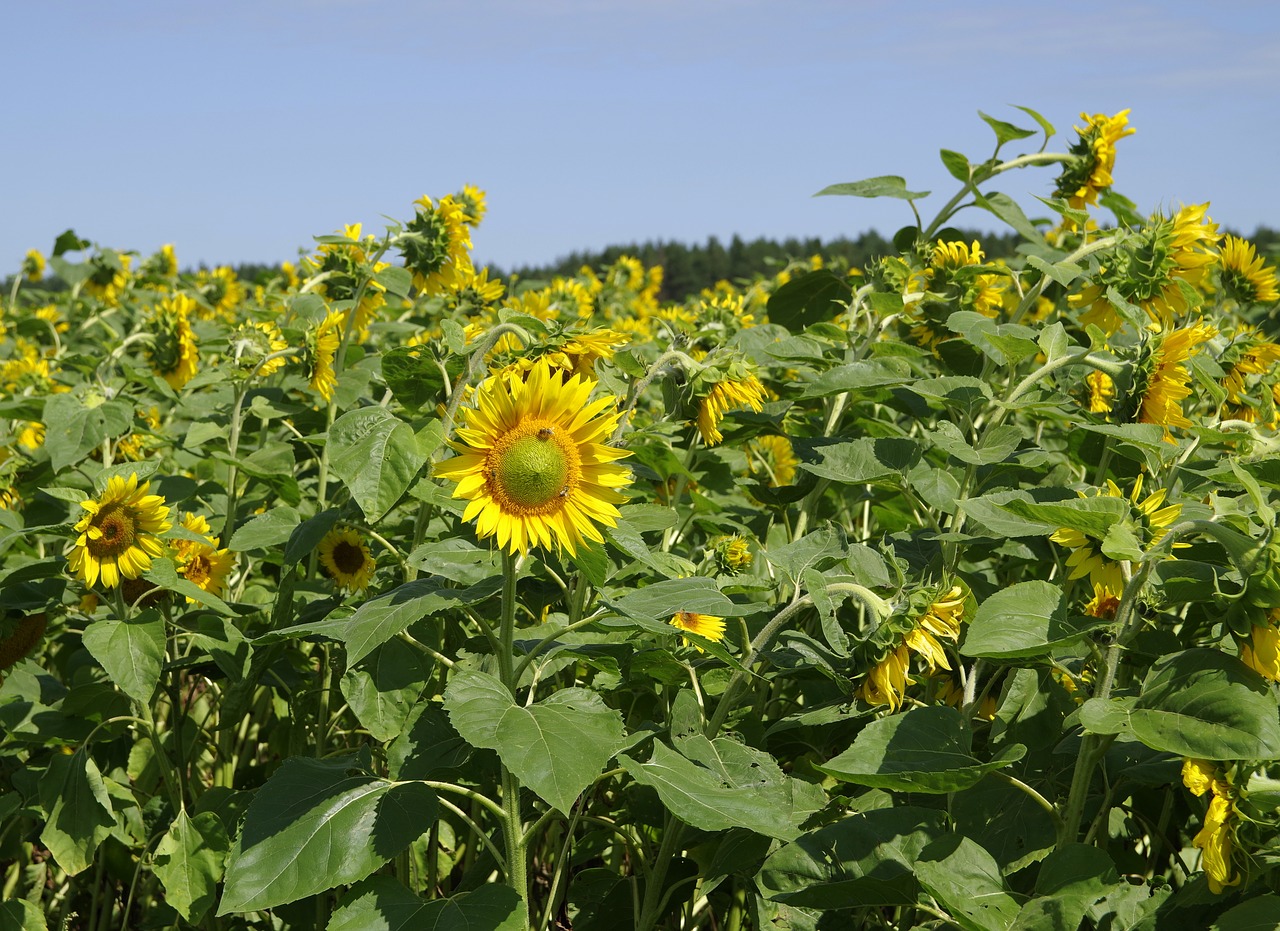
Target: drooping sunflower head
<point>1245,276</point>
<point>436,243</point>
<point>772,457</point>
<point>252,343</point>
<point>321,346</point>
<point>534,464</point>
<point>118,535</point>
<point>222,292</point>
<point>1161,379</point>
<point>1089,174</point>
<point>109,276</point>
<point>724,387</point>
<point>346,558</point>
<point>173,352</point>
<point>33,266</point>
<point>472,201</point>
<point>704,625</point>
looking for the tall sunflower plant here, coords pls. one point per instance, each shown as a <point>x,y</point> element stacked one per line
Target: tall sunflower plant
<point>377,590</point>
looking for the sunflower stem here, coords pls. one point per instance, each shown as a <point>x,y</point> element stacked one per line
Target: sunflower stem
<point>512,823</point>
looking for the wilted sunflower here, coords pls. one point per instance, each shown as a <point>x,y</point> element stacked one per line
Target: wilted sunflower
<point>704,625</point>
<point>1216,838</point>
<point>118,534</point>
<point>346,558</point>
<point>173,352</point>
<point>1083,179</point>
<point>201,562</point>
<point>321,346</point>
<point>731,394</point>
<point>1245,276</point>
<point>533,464</point>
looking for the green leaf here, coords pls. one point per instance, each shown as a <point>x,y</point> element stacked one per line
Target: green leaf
<point>1004,207</point>
<point>1261,913</point>
<point>376,455</point>
<point>966,881</point>
<point>866,460</point>
<point>1071,879</point>
<point>1064,273</point>
<point>922,750</point>
<point>189,862</point>
<point>957,165</point>
<point>1024,621</point>
<point>381,903</point>
<point>659,601</point>
<point>957,392</point>
<point>1044,124</point>
<point>1121,542</point>
<point>735,787</point>
<point>316,824</point>
<point>413,376</point>
<point>1005,132</point>
<point>21,915</point>
<point>266,530</point>
<point>377,621</point>
<point>384,687</point>
<point>883,186</point>
<point>1091,516</point>
<point>68,241</point>
<point>78,809</point>
<point>73,427</point>
<point>866,859</point>
<point>855,376</point>
<point>1203,703</point>
<point>396,280</point>
<point>814,297</point>
<point>556,746</point>
<point>132,652</point>
<point>998,444</point>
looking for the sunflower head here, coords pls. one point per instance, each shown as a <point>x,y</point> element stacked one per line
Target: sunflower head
<point>33,266</point>
<point>1245,277</point>
<point>221,291</point>
<point>319,349</point>
<point>436,243</point>
<point>19,634</point>
<point>472,201</point>
<point>704,625</point>
<point>346,558</point>
<point>118,535</point>
<point>534,464</point>
<point>732,554</point>
<point>1089,173</point>
<point>173,352</point>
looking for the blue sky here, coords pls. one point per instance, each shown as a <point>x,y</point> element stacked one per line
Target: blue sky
<point>239,130</point>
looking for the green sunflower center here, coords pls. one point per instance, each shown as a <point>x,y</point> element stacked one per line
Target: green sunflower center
<point>534,469</point>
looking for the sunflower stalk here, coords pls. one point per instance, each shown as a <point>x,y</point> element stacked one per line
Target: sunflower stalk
<point>512,823</point>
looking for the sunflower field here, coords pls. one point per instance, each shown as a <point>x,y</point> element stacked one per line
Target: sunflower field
<point>385,593</point>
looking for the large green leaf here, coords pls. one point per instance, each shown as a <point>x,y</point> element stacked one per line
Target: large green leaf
<point>132,652</point>
<point>1024,621</point>
<point>866,460</point>
<point>661,600</point>
<point>865,859</point>
<point>855,376</point>
<point>377,456</point>
<point>556,747</point>
<point>1197,703</point>
<point>377,621</point>
<point>814,297</point>
<point>21,915</point>
<point>414,377</point>
<point>380,903</point>
<point>74,426</point>
<point>922,750</point>
<point>78,810</point>
<point>189,863</point>
<point>1261,913</point>
<point>1091,516</point>
<point>966,881</point>
<point>1071,879</point>
<point>734,787</point>
<point>882,186</point>
<point>384,687</point>
<point>317,824</point>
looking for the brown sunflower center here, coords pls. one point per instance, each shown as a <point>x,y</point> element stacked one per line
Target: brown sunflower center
<point>348,557</point>
<point>533,469</point>
<point>118,530</point>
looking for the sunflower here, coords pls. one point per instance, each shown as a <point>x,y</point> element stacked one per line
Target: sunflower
<point>532,462</point>
<point>704,625</point>
<point>19,634</point>
<point>251,343</point>
<point>1153,519</point>
<point>1167,380</point>
<point>472,201</point>
<point>886,682</point>
<point>774,456</point>
<point>728,395</point>
<point>33,266</point>
<point>1245,276</point>
<point>321,346</point>
<point>1249,353</point>
<point>31,435</point>
<point>173,352</point>
<point>436,243</point>
<point>1262,652</point>
<point>222,293</point>
<point>1089,174</point>
<point>1101,391</point>
<point>951,281</point>
<point>1216,838</point>
<point>201,562</point>
<point>732,554</point>
<point>118,534</point>
<point>346,558</point>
